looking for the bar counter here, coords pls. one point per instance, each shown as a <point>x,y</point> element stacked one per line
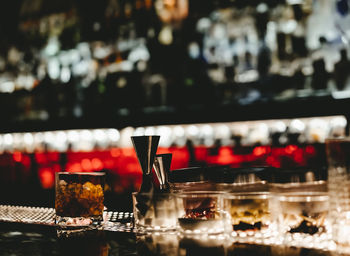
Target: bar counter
<point>24,238</point>
<point>29,240</point>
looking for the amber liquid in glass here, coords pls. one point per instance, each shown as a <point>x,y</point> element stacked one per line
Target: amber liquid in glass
<point>79,198</point>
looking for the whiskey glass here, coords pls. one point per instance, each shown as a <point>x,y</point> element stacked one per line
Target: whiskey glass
<point>79,200</point>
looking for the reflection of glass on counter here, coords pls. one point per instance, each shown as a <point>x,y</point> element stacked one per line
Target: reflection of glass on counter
<point>88,243</point>
<point>158,244</point>
<point>202,244</point>
<point>251,249</point>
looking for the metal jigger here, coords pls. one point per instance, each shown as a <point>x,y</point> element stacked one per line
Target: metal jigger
<point>161,167</point>
<point>145,147</point>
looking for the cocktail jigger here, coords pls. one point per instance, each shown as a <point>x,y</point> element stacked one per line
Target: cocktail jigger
<point>161,167</point>
<point>146,148</point>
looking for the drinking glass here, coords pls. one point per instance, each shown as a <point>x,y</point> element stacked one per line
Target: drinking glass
<point>338,159</point>
<point>301,211</point>
<point>79,200</point>
<point>303,218</point>
<point>201,212</point>
<point>250,215</point>
<point>154,212</point>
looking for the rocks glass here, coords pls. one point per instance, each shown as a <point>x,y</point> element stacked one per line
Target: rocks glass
<point>201,212</point>
<point>301,210</point>
<point>250,215</point>
<point>154,212</point>
<point>79,200</point>
<point>338,159</point>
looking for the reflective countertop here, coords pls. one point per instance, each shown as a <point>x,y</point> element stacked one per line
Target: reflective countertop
<point>26,239</point>
<point>31,231</point>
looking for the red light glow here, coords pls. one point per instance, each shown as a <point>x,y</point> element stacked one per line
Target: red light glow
<point>273,162</point>
<point>17,156</point>
<point>290,149</point>
<point>128,152</point>
<point>310,150</point>
<point>56,167</point>
<point>96,164</point>
<point>47,178</point>
<point>74,167</point>
<point>124,164</point>
<point>40,158</point>
<point>53,156</point>
<point>259,151</point>
<point>299,157</point>
<point>26,162</point>
<point>115,152</point>
<point>86,164</point>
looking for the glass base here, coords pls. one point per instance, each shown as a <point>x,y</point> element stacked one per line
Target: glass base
<point>190,226</point>
<point>145,225</point>
<point>67,226</point>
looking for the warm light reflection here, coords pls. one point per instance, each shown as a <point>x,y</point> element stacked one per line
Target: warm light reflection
<point>171,10</point>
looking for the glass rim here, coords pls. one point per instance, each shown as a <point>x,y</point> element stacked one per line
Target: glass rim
<point>338,139</point>
<point>297,184</point>
<point>151,193</point>
<point>248,194</point>
<point>96,173</point>
<point>237,184</point>
<point>190,183</point>
<point>300,195</point>
<point>199,194</point>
